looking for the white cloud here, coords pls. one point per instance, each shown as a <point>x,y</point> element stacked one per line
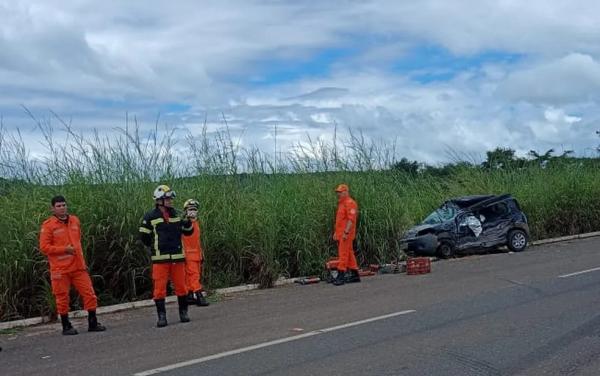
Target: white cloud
<point>573,78</point>
<point>93,62</point>
<point>465,27</point>
<point>558,115</point>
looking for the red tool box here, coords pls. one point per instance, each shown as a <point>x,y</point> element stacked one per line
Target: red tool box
<point>418,265</point>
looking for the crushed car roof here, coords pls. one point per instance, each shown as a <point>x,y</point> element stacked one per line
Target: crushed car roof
<point>466,201</point>
<point>469,201</point>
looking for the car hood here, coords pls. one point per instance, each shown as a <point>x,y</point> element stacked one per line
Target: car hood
<point>413,231</point>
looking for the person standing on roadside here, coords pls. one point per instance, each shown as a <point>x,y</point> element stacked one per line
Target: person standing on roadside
<point>344,234</point>
<point>194,258</point>
<point>60,241</point>
<point>161,231</point>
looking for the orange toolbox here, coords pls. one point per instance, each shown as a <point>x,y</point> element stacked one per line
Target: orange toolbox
<point>418,265</point>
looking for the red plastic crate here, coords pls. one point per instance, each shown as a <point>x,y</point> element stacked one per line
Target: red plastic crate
<point>418,265</point>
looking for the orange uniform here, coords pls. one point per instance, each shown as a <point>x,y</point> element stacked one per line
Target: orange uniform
<point>163,232</point>
<point>161,274</point>
<point>347,210</point>
<point>66,269</point>
<point>192,248</point>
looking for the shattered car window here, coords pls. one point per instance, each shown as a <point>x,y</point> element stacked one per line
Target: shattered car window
<point>474,224</point>
<point>496,211</point>
<point>440,215</point>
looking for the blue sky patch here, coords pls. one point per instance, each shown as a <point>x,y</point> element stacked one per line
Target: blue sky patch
<point>317,65</point>
<point>174,107</point>
<point>430,63</point>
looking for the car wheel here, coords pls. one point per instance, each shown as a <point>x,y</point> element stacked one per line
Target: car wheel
<point>517,240</point>
<point>445,250</point>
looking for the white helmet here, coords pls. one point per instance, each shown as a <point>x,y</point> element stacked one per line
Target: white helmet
<point>191,204</point>
<point>163,191</point>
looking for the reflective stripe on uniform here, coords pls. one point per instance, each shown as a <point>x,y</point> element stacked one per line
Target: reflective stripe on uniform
<point>156,250</point>
<point>156,221</point>
<point>188,228</point>
<point>161,257</point>
<point>158,256</point>
<point>167,256</point>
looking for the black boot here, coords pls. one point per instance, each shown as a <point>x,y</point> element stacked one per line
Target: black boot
<point>340,279</point>
<point>93,324</point>
<point>68,329</point>
<point>162,313</point>
<point>200,299</point>
<point>353,276</point>
<point>191,298</point>
<point>183,308</point>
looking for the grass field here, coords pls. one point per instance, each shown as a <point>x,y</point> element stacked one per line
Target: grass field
<point>260,219</point>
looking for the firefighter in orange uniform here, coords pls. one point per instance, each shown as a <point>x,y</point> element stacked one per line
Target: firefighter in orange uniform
<point>345,232</point>
<point>194,259</point>
<point>161,231</point>
<point>60,241</point>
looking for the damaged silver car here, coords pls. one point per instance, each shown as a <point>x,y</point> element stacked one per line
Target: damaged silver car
<point>468,223</point>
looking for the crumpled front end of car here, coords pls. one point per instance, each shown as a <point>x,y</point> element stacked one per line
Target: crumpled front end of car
<point>421,244</point>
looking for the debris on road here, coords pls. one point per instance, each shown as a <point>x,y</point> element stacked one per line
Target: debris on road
<point>308,280</point>
<point>366,273</point>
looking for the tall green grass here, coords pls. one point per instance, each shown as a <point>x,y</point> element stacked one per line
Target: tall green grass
<point>262,217</point>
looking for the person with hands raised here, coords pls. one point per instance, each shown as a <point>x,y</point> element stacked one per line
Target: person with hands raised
<point>161,231</point>
<point>194,258</point>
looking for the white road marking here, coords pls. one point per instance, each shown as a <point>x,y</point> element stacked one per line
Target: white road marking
<point>267,344</point>
<point>577,273</point>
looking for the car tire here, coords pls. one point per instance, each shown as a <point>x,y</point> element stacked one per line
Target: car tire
<point>516,240</point>
<point>445,250</point>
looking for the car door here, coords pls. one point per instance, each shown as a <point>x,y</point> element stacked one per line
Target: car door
<point>496,221</point>
<point>467,234</point>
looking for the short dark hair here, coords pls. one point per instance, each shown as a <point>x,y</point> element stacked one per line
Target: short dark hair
<point>57,198</point>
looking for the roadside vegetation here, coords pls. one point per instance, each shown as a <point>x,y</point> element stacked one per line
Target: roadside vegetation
<point>263,216</point>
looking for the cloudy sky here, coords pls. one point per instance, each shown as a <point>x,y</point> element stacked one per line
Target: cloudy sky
<point>432,75</point>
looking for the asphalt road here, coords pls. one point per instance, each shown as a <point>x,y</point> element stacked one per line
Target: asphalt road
<point>498,314</point>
